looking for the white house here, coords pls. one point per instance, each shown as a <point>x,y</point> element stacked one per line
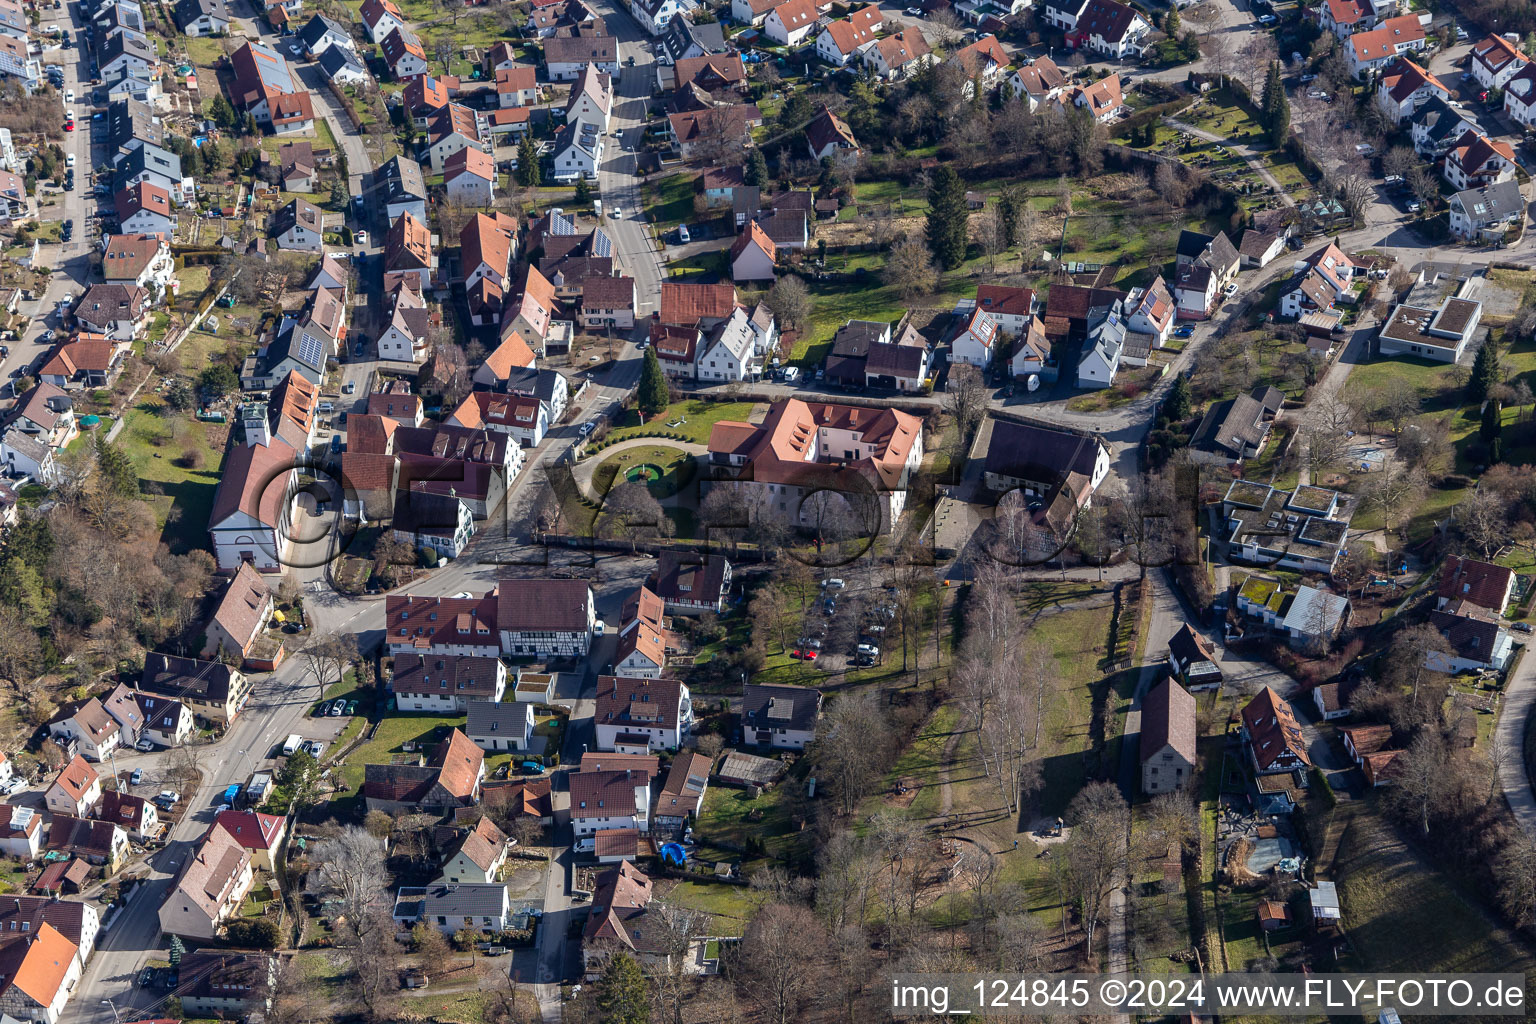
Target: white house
<point>452,908</point>
<point>728,352</point>
<point>1441,335</point>
<point>469,177</point>
<point>445,683</point>
<point>1109,28</point>
<point>75,791</point>
<point>899,55</point>
<point>608,302</point>
<point>1495,61</point>
<point>790,23</point>
<point>841,40</point>
<point>1103,350</point>
<point>591,98</point>
<point>380,18</point>
<point>1470,642</point>
<point>640,715</point>
<point>1405,87</point>
<point>299,226</point>
<point>1151,311</point>
<point>1519,97</point>
<point>578,150</point>
<point>1477,160</point>
<point>655,15</point>
<point>753,255</point>
<point>1379,47</point>
<point>783,717</point>
<point>1039,83</point>
<point>500,725</point>
<point>87,724</point>
<point>476,856</point>
<point>602,800</point>
<point>976,344</point>
<point>1486,214</point>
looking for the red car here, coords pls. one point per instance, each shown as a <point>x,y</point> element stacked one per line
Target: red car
<point>807,653</point>
<point>69,126</point>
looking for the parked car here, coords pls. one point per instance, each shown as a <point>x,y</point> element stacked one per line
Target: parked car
<point>1524,627</point>
<point>137,777</point>
<point>1187,331</point>
<point>834,584</point>
<point>145,745</point>
<point>351,707</point>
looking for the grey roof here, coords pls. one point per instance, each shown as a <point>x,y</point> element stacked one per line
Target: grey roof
<point>152,159</point>
<point>337,57</point>
<point>681,34</point>
<point>1441,121</point>
<point>538,384</point>
<point>467,899</point>
<point>887,359</point>
<point>496,718</point>
<point>401,180</point>
<point>1191,244</point>
<point>1308,604</point>
<point>1028,452</point>
<point>169,676</point>
<point>1491,203</point>
<point>855,337</point>
<point>316,28</point>
<point>780,707</point>
<point>125,42</point>
<point>1238,423</point>
<point>128,120</point>
<point>188,11</point>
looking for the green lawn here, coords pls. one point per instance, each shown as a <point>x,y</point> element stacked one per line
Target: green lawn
<point>424,730</point>
<point>729,907</point>
<point>669,200</point>
<point>733,816</point>
<point>920,765</point>
<point>1077,638</point>
<point>157,440</point>
<point>677,469</point>
<point>697,418</point>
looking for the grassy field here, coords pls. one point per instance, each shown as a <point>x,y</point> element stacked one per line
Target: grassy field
<point>669,200</point>
<point>157,440</point>
<point>394,731</point>
<point>697,418</point>
<point>677,468</point>
<point>733,816</point>
<point>1403,915</point>
<point>729,907</point>
<point>1077,638</point>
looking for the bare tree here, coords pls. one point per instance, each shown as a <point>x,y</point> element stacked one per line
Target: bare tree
<point>909,268</point>
<point>1500,756</point>
<point>376,964</point>
<point>328,654</point>
<point>966,398</point>
<point>790,301</point>
<point>1483,519</point>
<point>1100,820</point>
<point>1408,653</point>
<point>780,953</point>
<point>987,231</point>
<point>1422,776</point>
<point>351,869</point>
<point>847,752</point>
<point>1216,48</point>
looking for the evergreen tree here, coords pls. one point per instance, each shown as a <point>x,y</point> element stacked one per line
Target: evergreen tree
<point>947,218</point>
<point>221,113</point>
<point>1171,23</point>
<point>251,127</point>
<point>1276,112</point>
<point>116,468</point>
<point>652,394</point>
<point>1008,213</point>
<point>1492,426</point>
<point>1485,374</point>
<point>340,194</point>
<point>177,949</point>
<point>527,163</point>
<point>756,172</point>
<point>583,191</point>
<point>621,996</point>
<point>1178,404</point>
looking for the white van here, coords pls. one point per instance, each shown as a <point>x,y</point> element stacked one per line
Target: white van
<point>291,745</point>
<point>791,374</point>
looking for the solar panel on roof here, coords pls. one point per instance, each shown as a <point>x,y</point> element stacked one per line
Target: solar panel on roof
<point>311,351</point>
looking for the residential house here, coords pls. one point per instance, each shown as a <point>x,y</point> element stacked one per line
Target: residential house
<point>215,692</point>
<point>517,86</point>
<point>803,456</point>
<point>545,618</point>
<point>448,779</point>
<point>453,908</point>
<point>1039,83</point>
<point>976,342</point>
<point>21,832</point>
<point>1273,736</point>
<point>1467,581</point>
<point>1104,99</point>
<point>565,57</point>
<point>134,815</point>
<point>692,129</point>
<point>445,683</point>
<point>617,921</point>
<point>578,150</point>
<point>608,302</point>
<point>828,135</point>
<point>76,920</point>
<point>260,835</point>
<point>469,177</point>
<point>85,727</point>
<point>1345,17</point>
<point>751,12</point>
<point>226,984</point>
<point>344,67</point>
<point>150,163</point>
<point>655,15</point>
<point>99,843</point>
<point>76,790</point>
<point>142,260</point>
<point>1310,618</point>
<point>638,715</point>
<point>209,888</point>
<point>454,128</point>
<point>1377,48</point>
<point>1109,28</point>
<point>265,87</point>
<point>1010,308</point>
<point>408,253</point>
<point>677,349</point>
<point>128,52</point>
<point>1519,98</point>
<point>1205,266</point>
<point>691,584</point>
<point>1192,659</point>
<point>840,41</point>
<point>38,973</point>
<point>440,523</point>
<point>533,313</point>
<point>684,40</point>
<point>296,166</point>
<point>1032,353</point>
<point>511,355</point>
<point>1494,61</point>
<point>1437,126</point>
<point>1486,214</point>
<point>1260,248</point>
<point>1043,461</point>
<point>899,55</point>
<point>782,717</point>
<point>984,60</point>
<point>1150,311</point>
<point>682,794</point>
<point>1405,87</point>
<point>90,361</point>
<point>1104,348</point>
<point>1438,334</point>
<point>729,351</point>
<point>496,726</point>
<point>601,800</point>
<point>790,23</point>
<point>401,189</point>
<point>1168,737</point>
<point>476,856</point>
<point>403,54</point>
<point>1473,639</point>
<point>519,798</point>
<point>548,387</point>
<point>144,209</point>
<point>901,367</point>
<point>321,33</point>
<point>464,626</point>
<point>591,98</point>
<point>424,97</point>
<point>1302,530</point>
<point>486,245</point>
<point>298,226</point>
<point>1238,428</point>
<point>380,18</point>
<point>1476,160</point>
<point>167,723</point>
